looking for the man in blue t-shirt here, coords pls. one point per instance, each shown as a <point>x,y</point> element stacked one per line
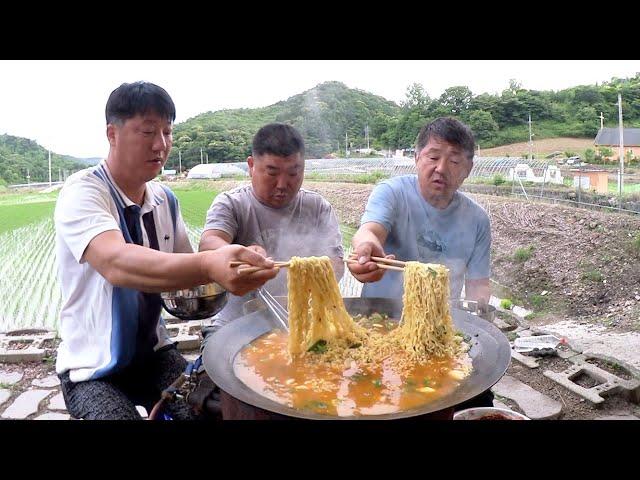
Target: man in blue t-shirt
<point>423,217</point>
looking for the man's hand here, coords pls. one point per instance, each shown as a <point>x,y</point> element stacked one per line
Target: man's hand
<point>258,249</point>
<point>216,265</point>
<point>366,270</point>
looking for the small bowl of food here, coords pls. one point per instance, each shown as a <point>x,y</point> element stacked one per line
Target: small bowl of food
<point>196,303</point>
<point>488,413</point>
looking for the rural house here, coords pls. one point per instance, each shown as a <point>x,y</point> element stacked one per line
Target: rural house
<point>610,138</point>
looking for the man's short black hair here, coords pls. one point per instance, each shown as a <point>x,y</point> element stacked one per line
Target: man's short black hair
<point>138,98</point>
<point>450,130</point>
<point>279,139</point>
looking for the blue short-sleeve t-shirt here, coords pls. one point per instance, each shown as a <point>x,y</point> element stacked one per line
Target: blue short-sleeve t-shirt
<point>458,236</point>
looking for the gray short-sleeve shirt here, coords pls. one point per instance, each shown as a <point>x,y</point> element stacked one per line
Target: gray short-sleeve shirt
<point>308,226</point>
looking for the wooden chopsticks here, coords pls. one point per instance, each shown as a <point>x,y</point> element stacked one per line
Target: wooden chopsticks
<point>245,268</point>
<point>384,263</point>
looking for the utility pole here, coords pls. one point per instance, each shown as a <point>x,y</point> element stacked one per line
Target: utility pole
<point>28,177</point>
<point>59,174</point>
<point>366,134</point>
<point>530,140</point>
<point>49,167</point>
<point>201,156</point>
<point>180,162</point>
<point>601,117</point>
<point>621,151</point>
<point>346,144</point>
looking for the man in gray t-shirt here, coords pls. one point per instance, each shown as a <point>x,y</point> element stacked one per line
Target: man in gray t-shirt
<point>273,215</point>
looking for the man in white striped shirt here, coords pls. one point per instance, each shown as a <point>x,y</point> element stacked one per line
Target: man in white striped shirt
<point>120,240</point>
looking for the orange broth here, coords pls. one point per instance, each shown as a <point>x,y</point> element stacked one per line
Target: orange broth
<point>350,390</point>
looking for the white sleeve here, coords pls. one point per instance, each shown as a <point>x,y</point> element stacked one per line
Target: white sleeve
<point>83,211</point>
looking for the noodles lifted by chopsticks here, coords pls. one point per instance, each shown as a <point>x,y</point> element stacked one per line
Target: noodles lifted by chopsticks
<point>426,327</point>
<point>316,310</point>
<point>317,315</point>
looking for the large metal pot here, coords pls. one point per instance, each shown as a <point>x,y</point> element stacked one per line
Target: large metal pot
<point>490,352</point>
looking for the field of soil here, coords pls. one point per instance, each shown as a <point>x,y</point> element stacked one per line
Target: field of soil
<point>541,147</point>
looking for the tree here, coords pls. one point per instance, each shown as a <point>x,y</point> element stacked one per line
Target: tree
<point>482,125</point>
<point>416,98</point>
<point>456,100</point>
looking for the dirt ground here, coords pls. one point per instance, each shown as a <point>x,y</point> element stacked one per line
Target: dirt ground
<point>560,261</point>
<point>542,147</point>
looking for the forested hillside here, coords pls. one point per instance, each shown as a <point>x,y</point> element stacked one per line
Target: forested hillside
<point>330,113</point>
<point>324,115</point>
<point>20,157</point>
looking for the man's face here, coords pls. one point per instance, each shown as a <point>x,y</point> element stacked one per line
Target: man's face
<point>442,167</point>
<point>276,180</point>
<point>142,145</point>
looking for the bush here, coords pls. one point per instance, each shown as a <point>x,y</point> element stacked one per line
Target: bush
<point>498,180</point>
<point>523,254</point>
<point>506,304</point>
<point>589,155</point>
<point>592,276</point>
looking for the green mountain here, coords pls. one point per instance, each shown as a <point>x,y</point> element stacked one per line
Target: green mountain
<point>330,111</point>
<point>324,115</point>
<point>20,157</point>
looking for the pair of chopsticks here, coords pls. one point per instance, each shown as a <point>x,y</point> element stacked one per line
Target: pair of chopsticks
<point>245,268</point>
<point>384,263</point>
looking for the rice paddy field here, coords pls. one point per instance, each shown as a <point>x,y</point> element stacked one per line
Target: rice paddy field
<point>29,290</point>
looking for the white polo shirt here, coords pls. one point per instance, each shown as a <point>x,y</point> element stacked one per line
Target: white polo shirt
<point>103,328</point>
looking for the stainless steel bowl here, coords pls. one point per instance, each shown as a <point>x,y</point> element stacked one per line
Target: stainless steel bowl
<point>488,312</point>
<point>488,413</point>
<point>195,303</point>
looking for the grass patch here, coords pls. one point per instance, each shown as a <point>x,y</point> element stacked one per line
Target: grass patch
<point>23,214</point>
<point>347,234</point>
<point>538,301</point>
<point>592,276</point>
<point>523,254</point>
<point>506,304</point>
<point>194,204</point>
<point>371,177</point>
<point>511,336</point>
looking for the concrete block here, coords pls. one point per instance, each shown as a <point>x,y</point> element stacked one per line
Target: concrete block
<point>618,417</point>
<point>608,383</point>
<point>534,404</point>
<point>21,356</point>
<point>524,359</point>
<point>187,342</point>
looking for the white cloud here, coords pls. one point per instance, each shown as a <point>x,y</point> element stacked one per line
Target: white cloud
<point>60,104</point>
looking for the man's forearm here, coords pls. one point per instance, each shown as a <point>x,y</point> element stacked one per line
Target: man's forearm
<point>365,235</point>
<point>478,290</point>
<point>149,270</point>
<point>211,242</point>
